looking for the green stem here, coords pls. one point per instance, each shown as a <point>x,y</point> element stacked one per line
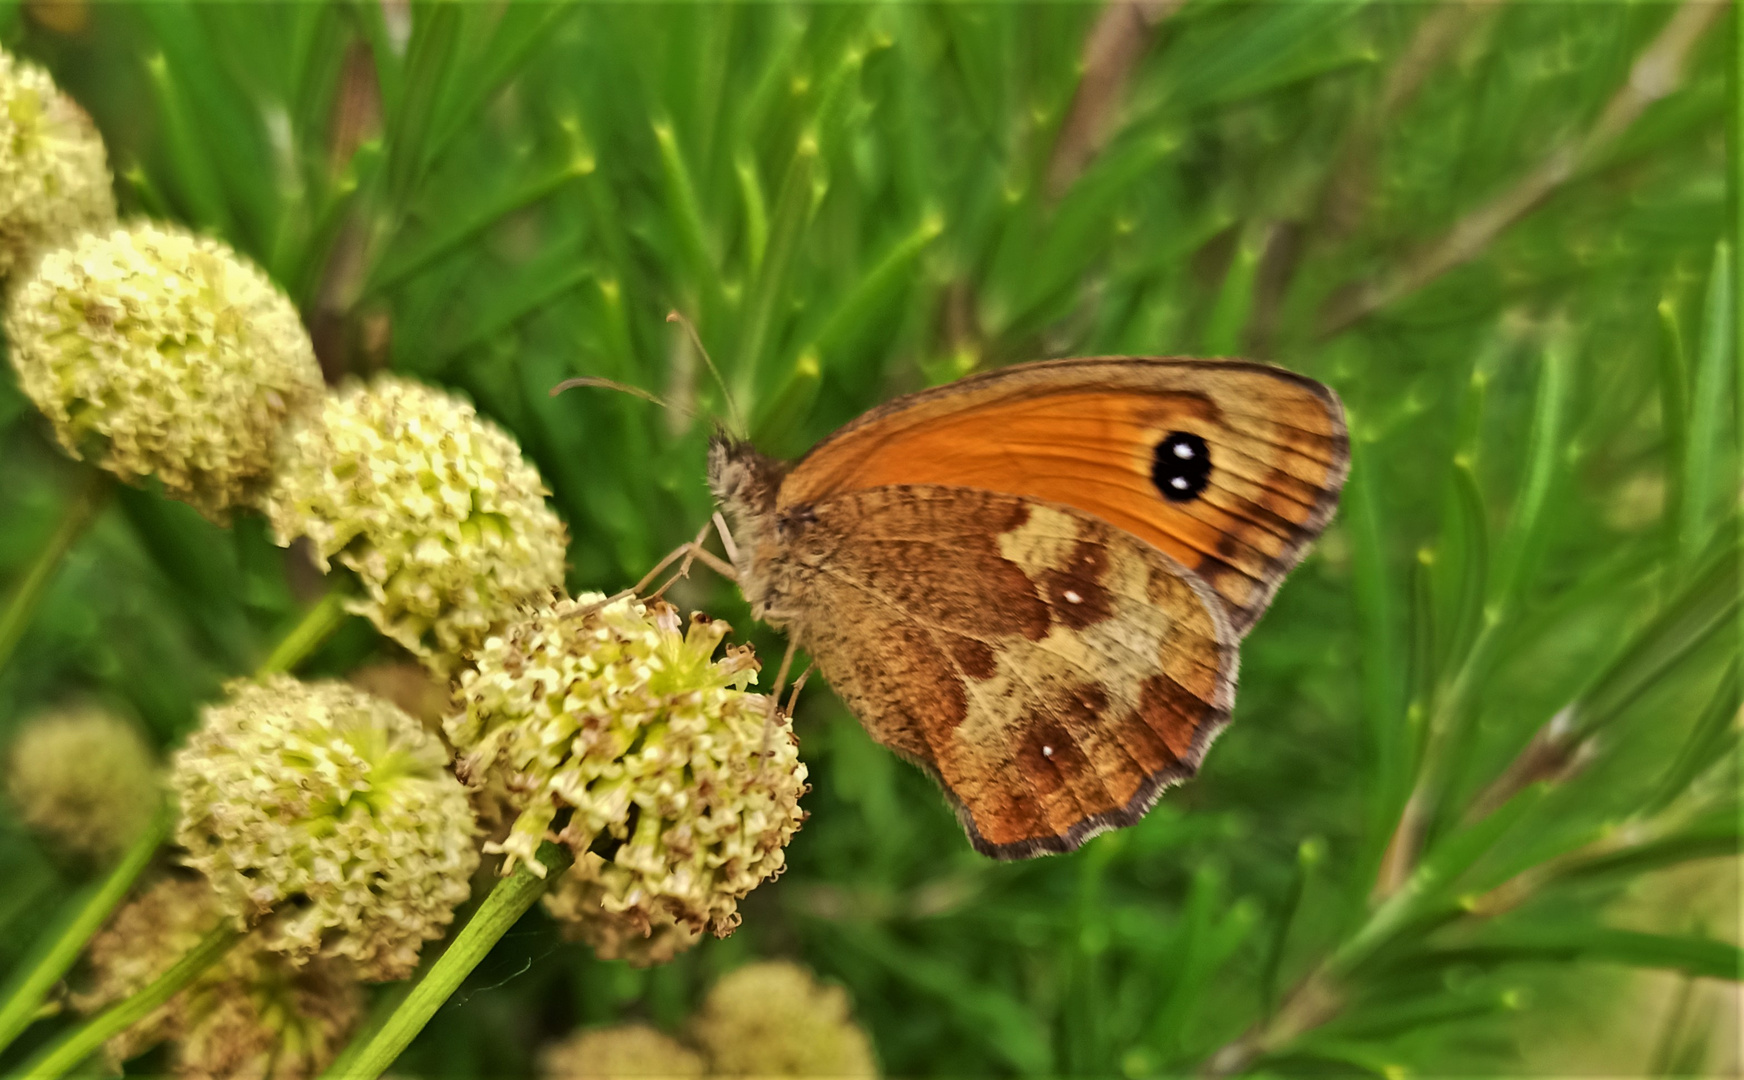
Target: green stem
<point>316,626</point>
<point>24,997</point>
<point>507,902</point>
<point>83,1041</point>
<point>79,512</point>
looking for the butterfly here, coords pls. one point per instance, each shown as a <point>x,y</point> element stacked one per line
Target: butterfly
<point>1033,583</point>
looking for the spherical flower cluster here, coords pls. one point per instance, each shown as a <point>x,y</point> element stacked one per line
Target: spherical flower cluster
<point>577,900</point>
<point>623,723</point>
<point>623,1051</point>
<point>434,508</point>
<point>319,794</point>
<point>155,351</point>
<point>774,1019</point>
<point>54,175</point>
<point>251,1015</point>
<point>84,779</point>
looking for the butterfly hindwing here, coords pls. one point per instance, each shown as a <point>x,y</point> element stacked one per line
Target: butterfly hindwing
<point>1054,673</point>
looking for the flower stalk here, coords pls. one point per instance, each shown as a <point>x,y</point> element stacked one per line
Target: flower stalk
<point>311,632</point>
<point>508,900</point>
<point>77,516</point>
<point>24,999</point>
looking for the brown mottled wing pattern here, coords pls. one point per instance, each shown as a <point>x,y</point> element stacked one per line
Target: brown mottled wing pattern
<point>1085,433</point>
<point>1054,673</point>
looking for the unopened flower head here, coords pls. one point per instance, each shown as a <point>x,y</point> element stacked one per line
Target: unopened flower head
<point>54,175</point>
<point>281,1024</point>
<point>443,521</point>
<point>251,1015</point>
<point>615,1052</point>
<point>774,1019</point>
<point>623,722</point>
<point>157,352</point>
<point>643,937</point>
<point>321,794</point>
<point>84,779</point>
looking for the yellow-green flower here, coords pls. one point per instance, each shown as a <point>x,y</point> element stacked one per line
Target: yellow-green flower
<point>85,780</point>
<point>434,508</point>
<point>251,1015</point>
<point>54,174</point>
<point>774,1019</point>
<point>627,1050</point>
<point>328,817</point>
<point>612,725</point>
<point>157,352</point>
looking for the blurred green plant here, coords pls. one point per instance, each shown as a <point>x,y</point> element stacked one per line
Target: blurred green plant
<point>1501,697</point>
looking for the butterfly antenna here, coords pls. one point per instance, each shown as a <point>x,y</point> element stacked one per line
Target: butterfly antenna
<point>732,406</point>
<point>622,388</point>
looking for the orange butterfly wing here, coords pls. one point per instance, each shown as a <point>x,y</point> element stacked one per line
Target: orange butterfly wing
<point>1052,672</point>
<point>1107,436</point>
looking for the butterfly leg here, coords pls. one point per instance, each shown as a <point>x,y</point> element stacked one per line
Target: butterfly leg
<point>798,685</point>
<point>690,552</point>
<point>727,543</point>
<point>775,698</point>
<point>682,550</point>
<point>781,674</point>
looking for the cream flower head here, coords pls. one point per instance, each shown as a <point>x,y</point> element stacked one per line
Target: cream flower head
<point>623,1051</point>
<point>774,1019</point>
<point>443,521</point>
<point>159,352</point>
<point>251,1016</point>
<point>621,721</point>
<point>54,175</point>
<point>330,815</point>
<point>85,779</point>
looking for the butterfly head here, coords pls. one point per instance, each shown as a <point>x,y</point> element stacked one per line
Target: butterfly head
<point>745,482</point>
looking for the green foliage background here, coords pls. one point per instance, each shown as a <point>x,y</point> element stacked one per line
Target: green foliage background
<point>851,201</point>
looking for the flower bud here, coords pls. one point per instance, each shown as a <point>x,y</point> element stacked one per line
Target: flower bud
<point>615,730</point>
<point>157,352</point>
<point>434,508</point>
<point>54,174</point>
<point>328,817</point>
<point>85,780</point>
<point>251,1015</point>
<point>774,1019</point>
<point>623,1051</point>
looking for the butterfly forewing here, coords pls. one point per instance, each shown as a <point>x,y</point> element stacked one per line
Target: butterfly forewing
<point>1230,468</point>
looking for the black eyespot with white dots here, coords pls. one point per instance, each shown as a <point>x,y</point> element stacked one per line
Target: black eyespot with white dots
<point>1181,467</point>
